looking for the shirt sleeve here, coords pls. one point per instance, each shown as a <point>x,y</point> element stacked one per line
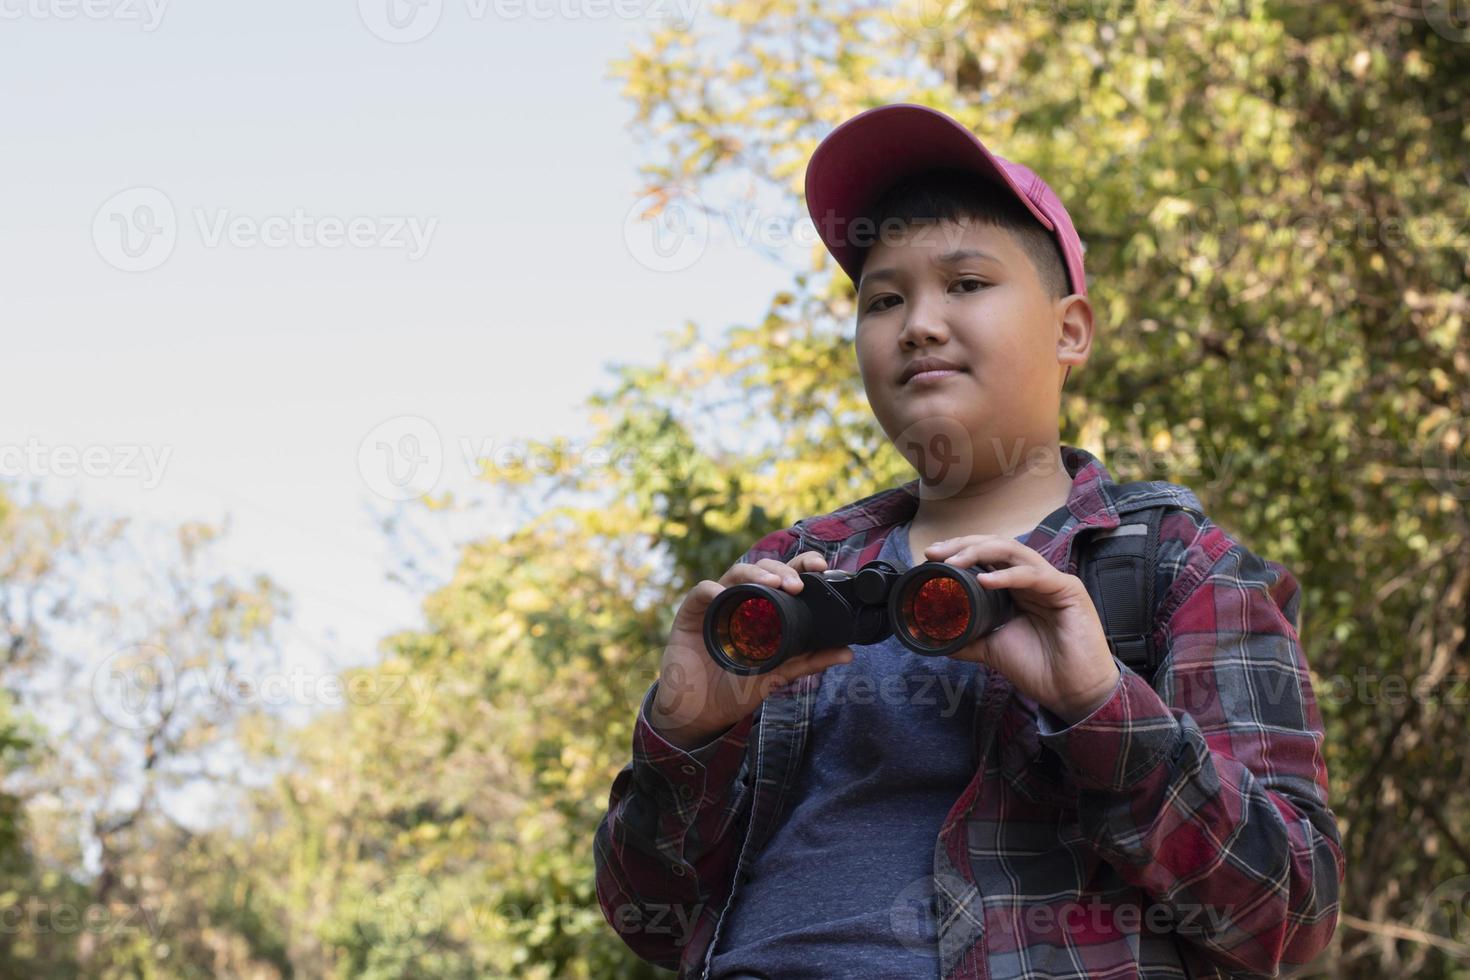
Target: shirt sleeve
<point>665,852</point>
<point>1211,794</point>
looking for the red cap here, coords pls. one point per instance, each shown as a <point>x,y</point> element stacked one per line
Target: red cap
<point>864,156</point>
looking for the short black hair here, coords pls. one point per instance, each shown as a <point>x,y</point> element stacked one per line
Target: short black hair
<point>957,195</point>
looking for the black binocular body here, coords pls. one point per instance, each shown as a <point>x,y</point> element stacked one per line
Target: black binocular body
<point>934,608</point>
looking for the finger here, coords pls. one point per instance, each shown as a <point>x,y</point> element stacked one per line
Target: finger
<point>788,577</point>
<point>758,573</point>
<point>977,652</point>
<point>813,662</point>
<point>1025,578</point>
<point>809,561</point>
<point>996,552</point>
<point>992,545</point>
<point>1014,577</point>
<point>704,592</point>
<point>950,545</point>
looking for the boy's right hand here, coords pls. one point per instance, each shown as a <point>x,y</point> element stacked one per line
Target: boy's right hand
<point>697,699</point>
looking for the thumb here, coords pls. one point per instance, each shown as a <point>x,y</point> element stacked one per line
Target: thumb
<point>808,663</point>
<point>976,652</point>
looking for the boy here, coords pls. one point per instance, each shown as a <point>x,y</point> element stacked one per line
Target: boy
<point>1044,810</point>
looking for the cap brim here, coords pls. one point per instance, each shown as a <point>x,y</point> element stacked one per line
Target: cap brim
<point>864,156</point>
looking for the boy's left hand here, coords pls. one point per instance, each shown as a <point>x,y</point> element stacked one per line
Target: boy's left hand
<point>1054,650</point>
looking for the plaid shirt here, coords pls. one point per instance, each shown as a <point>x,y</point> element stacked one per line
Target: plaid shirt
<point>1180,830</point>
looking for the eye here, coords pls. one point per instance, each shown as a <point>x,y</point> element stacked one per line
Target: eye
<point>873,306</point>
<point>977,283</point>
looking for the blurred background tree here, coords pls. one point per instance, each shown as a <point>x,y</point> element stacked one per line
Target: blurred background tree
<point>1275,201</point>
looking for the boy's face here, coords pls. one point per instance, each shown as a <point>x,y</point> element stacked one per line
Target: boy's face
<point>969,295</point>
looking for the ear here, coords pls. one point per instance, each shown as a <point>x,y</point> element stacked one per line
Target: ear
<point>1074,330</point>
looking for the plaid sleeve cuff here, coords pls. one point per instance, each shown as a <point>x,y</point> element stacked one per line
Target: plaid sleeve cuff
<point>1124,739</point>
<point>686,781</point>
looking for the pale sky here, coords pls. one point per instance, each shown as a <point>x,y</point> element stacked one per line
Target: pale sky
<point>238,238</point>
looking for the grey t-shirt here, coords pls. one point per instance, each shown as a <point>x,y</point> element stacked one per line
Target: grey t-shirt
<point>844,885</point>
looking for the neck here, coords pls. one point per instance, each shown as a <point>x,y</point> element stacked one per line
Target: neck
<point>1007,503</point>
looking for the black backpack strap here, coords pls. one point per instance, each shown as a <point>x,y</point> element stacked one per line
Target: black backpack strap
<point>1117,566</point>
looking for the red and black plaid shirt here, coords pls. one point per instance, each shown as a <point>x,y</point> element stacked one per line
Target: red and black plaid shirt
<point>1181,829</point>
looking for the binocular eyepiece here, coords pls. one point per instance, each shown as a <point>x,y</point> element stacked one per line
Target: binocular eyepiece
<point>934,608</point>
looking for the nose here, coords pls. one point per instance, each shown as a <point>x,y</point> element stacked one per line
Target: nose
<point>923,323</point>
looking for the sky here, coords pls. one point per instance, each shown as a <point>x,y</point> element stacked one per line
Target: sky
<point>279,263</point>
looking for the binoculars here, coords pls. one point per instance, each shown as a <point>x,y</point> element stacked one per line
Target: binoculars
<point>934,608</point>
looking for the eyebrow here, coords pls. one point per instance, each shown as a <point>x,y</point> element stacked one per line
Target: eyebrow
<point>948,258</point>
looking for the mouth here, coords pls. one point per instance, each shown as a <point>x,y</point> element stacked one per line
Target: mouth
<point>928,370</point>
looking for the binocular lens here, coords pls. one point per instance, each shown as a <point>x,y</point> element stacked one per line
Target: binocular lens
<point>751,631</point>
<point>938,611</point>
